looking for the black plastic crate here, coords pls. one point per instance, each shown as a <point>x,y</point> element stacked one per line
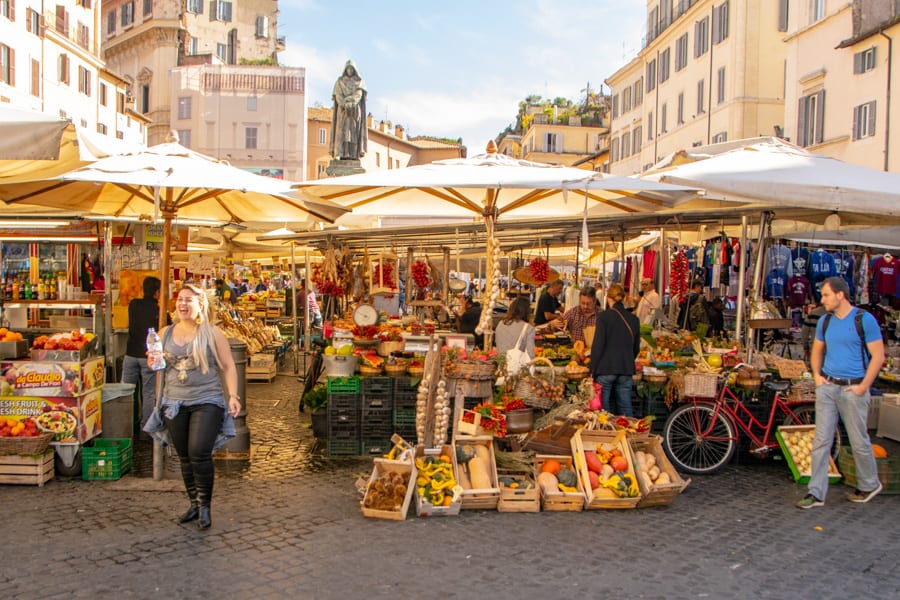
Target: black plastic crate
<point>377,432</point>
<point>377,386</point>
<point>377,416</point>
<point>340,445</point>
<point>404,417</point>
<point>376,446</point>
<point>343,401</point>
<point>404,400</point>
<point>377,402</point>
<point>405,385</point>
<point>344,418</point>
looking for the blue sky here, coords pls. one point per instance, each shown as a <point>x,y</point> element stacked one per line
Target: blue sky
<point>459,68</point>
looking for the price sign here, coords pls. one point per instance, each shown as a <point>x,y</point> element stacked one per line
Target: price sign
<point>198,263</point>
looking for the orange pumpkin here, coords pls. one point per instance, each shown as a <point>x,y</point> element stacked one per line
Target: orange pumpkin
<point>551,466</point>
<point>619,463</point>
<point>879,451</point>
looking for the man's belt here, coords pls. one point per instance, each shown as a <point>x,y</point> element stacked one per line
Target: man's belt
<point>842,380</point>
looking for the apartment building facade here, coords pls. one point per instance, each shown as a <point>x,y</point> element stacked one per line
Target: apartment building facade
<point>147,41</point>
<point>839,71</point>
<point>709,71</point>
<point>50,62</point>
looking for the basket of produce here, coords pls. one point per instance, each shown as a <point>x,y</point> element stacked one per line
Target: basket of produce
<point>470,369</point>
<point>415,370</point>
<point>791,369</point>
<point>396,369</point>
<point>655,379</point>
<point>541,389</point>
<point>576,372</point>
<point>368,371</point>
<point>28,441</point>
<point>748,378</point>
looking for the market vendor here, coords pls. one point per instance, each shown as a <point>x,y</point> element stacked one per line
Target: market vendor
<point>576,319</point>
<point>548,305</point>
<point>649,307</point>
<point>309,296</point>
<point>468,320</point>
<point>224,291</point>
<point>438,313</point>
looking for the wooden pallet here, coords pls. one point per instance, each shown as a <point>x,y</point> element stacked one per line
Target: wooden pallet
<point>27,470</point>
<point>266,374</point>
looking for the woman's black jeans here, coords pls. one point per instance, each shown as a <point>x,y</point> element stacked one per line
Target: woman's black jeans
<point>194,431</point>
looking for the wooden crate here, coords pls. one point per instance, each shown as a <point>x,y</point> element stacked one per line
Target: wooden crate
<point>482,498</point>
<point>584,439</point>
<point>427,509</point>
<point>27,470</point>
<point>658,495</point>
<point>266,373</point>
<point>381,467</point>
<point>563,501</point>
<point>519,499</point>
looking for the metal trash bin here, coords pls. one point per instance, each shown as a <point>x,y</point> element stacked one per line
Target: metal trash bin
<point>240,444</point>
<point>117,413</point>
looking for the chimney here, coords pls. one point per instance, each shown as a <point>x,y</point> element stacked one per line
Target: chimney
<point>384,126</point>
<point>370,121</point>
<point>399,131</point>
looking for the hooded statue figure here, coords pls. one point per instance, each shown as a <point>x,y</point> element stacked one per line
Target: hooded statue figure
<point>349,134</point>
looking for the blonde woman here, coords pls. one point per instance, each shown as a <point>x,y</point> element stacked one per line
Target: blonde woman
<point>196,408</point>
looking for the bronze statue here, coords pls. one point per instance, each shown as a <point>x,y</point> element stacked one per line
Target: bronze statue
<point>349,135</point>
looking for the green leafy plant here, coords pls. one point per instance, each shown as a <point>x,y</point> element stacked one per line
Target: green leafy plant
<point>316,398</point>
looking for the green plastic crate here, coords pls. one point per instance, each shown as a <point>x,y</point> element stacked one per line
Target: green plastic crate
<point>108,458</point>
<point>343,385</point>
<point>833,474</point>
<point>888,470</point>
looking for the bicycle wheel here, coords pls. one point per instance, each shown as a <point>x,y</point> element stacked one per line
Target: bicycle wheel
<point>806,415</point>
<point>699,440</point>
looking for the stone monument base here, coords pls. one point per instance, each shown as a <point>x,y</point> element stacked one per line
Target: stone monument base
<point>343,166</point>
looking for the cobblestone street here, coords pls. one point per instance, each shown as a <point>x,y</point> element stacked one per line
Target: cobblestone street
<point>287,524</point>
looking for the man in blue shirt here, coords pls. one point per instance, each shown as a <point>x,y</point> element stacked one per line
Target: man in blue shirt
<point>843,369</point>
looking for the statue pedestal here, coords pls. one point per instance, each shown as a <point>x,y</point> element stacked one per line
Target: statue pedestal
<point>343,166</point>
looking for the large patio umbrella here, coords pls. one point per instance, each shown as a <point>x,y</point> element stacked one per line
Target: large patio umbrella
<point>490,186</point>
<point>169,181</point>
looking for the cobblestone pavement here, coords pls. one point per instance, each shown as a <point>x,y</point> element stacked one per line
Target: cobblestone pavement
<point>287,524</point>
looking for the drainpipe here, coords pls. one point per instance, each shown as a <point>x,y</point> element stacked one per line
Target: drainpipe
<point>887,111</point>
<point>656,112</point>
<point>712,18</point>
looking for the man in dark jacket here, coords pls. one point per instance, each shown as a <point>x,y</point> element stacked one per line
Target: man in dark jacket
<point>143,313</point>
<point>617,340</point>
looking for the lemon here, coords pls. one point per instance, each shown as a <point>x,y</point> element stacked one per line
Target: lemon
<point>330,351</point>
<point>346,350</point>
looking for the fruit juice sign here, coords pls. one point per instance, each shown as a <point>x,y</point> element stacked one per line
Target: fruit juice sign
<point>20,407</point>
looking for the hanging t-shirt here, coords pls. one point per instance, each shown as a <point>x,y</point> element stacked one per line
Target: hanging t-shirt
<point>779,257</point>
<point>799,291</point>
<point>648,270</point>
<point>775,284</point>
<point>844,266</point>
<point>821,266</point>
<point>800,261</point>
<point>886,273</point>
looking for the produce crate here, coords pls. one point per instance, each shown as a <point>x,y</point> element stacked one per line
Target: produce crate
<point>560,501</point>
<point>108,458</point>
<point>377,386</point>
<point>480,498</point>
<point>425,508</point>
<point>888,471</point>
<point>382,467</point>
<point>802,476</point>
<point>375,445</point>
<point>343,385</point>
<point>261,359</point>
<point>518,499</point>
<point>27,470</point>
<point>342,401</point>
<point>889,417</point>
<point>658,495</point>
<point>589,440</point>
<point>700,385</point>
<point>342,442</point>
<point>791,369</point>
<point>266,373</point>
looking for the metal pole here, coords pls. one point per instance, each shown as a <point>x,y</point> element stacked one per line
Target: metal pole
<point>742,269</point>
<point>107,299</point>
<point>159,457</point>
<point>293,291</point>
<point>306,326</point>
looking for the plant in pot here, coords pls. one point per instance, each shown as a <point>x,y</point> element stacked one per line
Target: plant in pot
<point>315,400</point>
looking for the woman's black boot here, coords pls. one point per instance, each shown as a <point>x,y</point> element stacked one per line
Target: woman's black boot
<point>187,474</point>
<point>204,498</point>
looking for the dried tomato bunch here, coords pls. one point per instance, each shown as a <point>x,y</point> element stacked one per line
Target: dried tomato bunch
<point>540,270</point>
<point>420,274</point>
<point>384,275</point>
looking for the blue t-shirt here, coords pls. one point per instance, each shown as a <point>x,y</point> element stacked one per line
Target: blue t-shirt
<point>775,284</point>
<point>843,353</point>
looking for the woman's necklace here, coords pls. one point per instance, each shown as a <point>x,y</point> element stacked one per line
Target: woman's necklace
<point>186,363</point>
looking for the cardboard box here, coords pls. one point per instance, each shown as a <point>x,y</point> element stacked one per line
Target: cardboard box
<point>51,378</point>
<point>382,467</point>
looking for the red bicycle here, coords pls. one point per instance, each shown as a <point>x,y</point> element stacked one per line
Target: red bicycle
<point>701,436</point>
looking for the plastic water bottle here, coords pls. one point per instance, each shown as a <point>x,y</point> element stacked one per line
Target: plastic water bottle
<point>155,350</point>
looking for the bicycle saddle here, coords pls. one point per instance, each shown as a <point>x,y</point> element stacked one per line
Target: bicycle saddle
<point>777,386</point>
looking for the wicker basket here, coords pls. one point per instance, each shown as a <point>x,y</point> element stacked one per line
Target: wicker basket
<point>28,446</point>
<point>530,396</point>
<point>656,379</point>
<point>415,371</point>
<point>700,385</point>
<point>803,390</point>
<point>368,371</point>
<point>470,369</point>
<point>395,370</point>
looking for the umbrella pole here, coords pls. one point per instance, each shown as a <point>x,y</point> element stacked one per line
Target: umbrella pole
<point>159,457</point>
<point>107,299</point>
<point>742,269</point>
<point>306,323</point>
<point>295,341</point>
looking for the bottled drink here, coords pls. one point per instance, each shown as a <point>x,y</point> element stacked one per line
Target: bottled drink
<point>155,350</point>
<point>15,288</point>
<point>28,295</point>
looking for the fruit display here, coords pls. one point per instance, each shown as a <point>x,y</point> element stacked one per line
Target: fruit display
<point>10,336</point>
<point>799,444</point>
<point>12,427</point>
<point>435,481</point>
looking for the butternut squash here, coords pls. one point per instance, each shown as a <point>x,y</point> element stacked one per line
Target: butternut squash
<point>479,474</point>
<point>463,477</point>
<point>663,479</point>
<point>548,483</point>
<point>482,452</point>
